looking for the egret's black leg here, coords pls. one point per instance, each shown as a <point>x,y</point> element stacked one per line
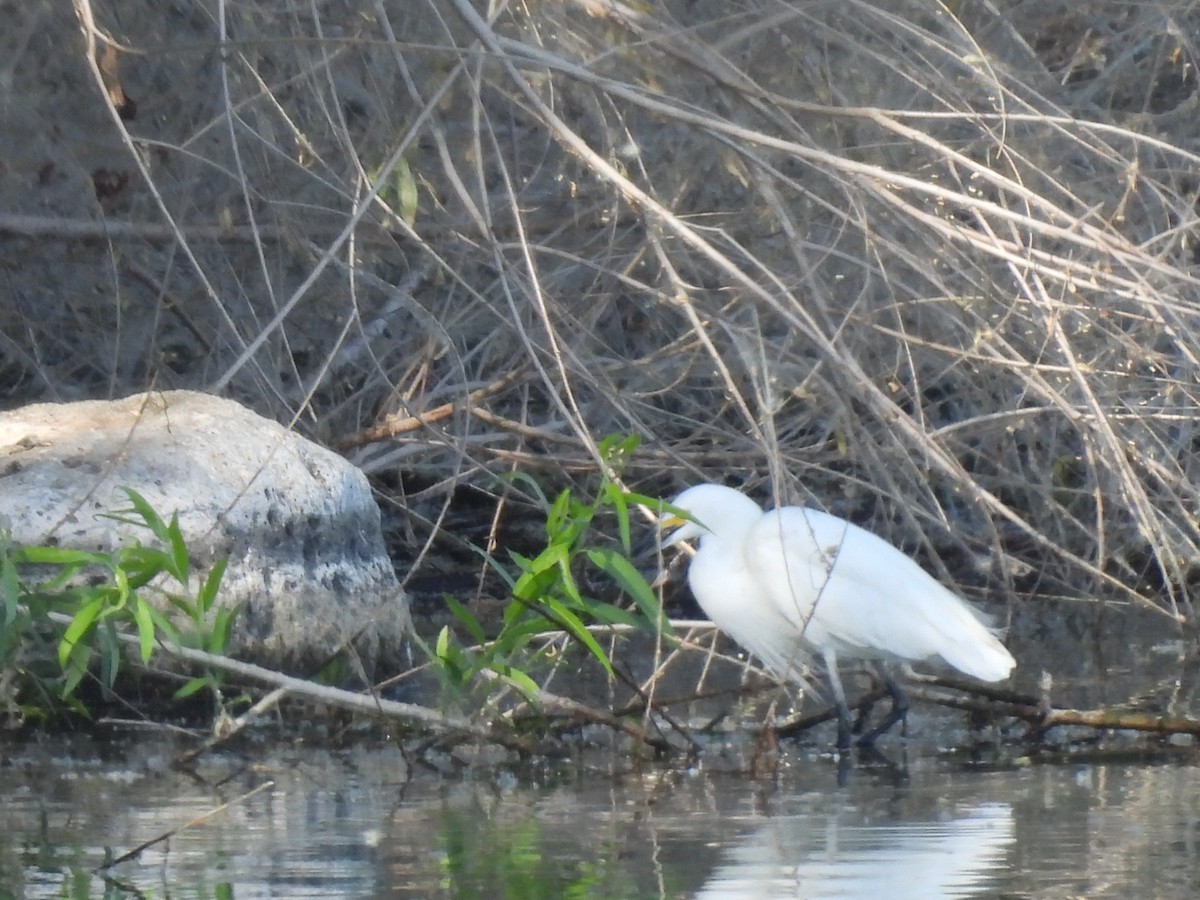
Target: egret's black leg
<point>898,712</point>
<point>845,726</point>
<point>845,721</point>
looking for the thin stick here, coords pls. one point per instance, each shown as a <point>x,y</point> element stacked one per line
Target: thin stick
<point>199,820</point>
<point>397,424</point>
<point>236,725</point>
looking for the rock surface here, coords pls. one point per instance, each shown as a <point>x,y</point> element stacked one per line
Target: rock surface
<point>297,522</point>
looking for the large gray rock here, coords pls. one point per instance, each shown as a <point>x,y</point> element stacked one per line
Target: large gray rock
<point>298,523</point>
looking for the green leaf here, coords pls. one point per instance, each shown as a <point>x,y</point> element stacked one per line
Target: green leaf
<point>573,626</point>
<point>533,586</point>
<point>467,618</point>
<point>514,612</point>
<point>557,517</point>
<point>122,592</point>
<point>617,448</point>
<point>630,580</point>
<point>141,565</point>
<point>80,625</point>
<point>74,704</point>
<point>530,482</point>
<point>196,684</point>
<point>164,626</point>
<point>521,680</point>
<point>109,648</point>
<point>150,518</point>
<point>180,559</point>
<point>74,667</point>
<point>10,585</point>
<point>566,583</point>
<point>608,614</point>
<point>186,606</point>
<point>208,591</point>
<point>59,556</point>
<point>554,556</point>
<point>515,636</point>
<point>540,573</point>
<point>442,647</point>
<point>405,186</point>
<point>523,562</point>
<point>498,567</point>
<point>620,504</point>
<point>145,627</point>
<point>218,638</point>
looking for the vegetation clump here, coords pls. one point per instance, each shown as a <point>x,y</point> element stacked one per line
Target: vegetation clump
<point>67,614</point>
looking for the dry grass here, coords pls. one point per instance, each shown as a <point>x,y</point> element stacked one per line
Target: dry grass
<point>932,267</point>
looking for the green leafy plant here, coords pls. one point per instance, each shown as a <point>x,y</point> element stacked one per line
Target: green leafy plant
<point>547,591</point>
<point>70,605</point>
<point>399,192</point>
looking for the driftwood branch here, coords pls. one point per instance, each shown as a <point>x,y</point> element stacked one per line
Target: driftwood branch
<point>331,696</point>
<point>1044,717</point>
<point>499,733</point>
<point>999,702</point>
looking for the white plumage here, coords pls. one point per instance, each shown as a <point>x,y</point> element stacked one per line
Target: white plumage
<point>793,579</point>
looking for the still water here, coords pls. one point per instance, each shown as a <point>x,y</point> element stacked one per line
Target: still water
<point>360,823</point>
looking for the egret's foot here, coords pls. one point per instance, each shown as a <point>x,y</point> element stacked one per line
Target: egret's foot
<point>898,713</point>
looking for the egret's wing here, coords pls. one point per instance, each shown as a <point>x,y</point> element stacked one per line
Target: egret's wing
<point>792,553</point>
<point>854,591</point>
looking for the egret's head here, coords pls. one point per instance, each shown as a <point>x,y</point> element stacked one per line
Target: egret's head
<point>677,529</point>
<point>715,508</point>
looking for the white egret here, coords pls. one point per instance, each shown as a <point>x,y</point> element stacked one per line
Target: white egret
<point>784,581</point>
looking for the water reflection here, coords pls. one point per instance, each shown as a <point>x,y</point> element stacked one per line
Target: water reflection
<point>816,857</point>
<point>356,824</point>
